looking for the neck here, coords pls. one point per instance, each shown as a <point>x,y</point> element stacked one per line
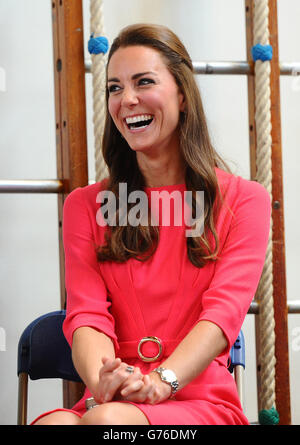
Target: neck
<point>162,170</point>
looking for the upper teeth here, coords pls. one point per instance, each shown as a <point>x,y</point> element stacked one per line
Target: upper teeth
<point>142,117</point>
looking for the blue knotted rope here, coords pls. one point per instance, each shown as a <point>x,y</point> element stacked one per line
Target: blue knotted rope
<point>262,52</point>
<point>98,45</point>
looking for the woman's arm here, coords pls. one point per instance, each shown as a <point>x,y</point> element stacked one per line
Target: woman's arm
<point>93,356</point>
<point>89,325</point>
<point>88,349</point>
<point>195,352</point>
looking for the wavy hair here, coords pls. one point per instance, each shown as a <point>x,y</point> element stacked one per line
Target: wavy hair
<point>124,242</point>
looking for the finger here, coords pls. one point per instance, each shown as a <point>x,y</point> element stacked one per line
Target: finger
<point>137,373</point>
<point>110,365</point>
<point>151,396</point>
<point>108,381</point>
<point>112,382</point>
<point>133,376</point>
<point>149,390</point>
<point>132,388</point>
<point>126,369</point>
<point>142,395</point>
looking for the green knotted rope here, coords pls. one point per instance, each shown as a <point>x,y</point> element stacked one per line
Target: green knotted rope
<point>268,417</point>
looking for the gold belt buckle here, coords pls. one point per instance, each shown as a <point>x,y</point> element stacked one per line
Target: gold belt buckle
<point>155,340</point>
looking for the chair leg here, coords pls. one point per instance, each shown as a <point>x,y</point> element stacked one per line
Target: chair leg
<point>22,398</point>
<point>238,376</point>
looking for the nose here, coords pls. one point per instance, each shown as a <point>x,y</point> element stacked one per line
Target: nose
<point>129,97</point>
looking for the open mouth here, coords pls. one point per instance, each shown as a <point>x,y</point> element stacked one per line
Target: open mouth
<point>139,122</point>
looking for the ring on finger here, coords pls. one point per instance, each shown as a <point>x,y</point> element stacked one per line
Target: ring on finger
<point>130,369</point>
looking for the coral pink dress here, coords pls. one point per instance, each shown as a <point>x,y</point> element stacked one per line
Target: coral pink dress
<point>167,295</point>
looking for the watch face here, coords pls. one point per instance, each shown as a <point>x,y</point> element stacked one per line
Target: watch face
<point>168,375</point>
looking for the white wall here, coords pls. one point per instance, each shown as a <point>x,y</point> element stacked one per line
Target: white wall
<point>29,270</point>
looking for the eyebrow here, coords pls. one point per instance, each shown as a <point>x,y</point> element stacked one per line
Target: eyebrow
<point>134,77</point>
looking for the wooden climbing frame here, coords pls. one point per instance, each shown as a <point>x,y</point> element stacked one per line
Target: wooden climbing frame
<point>282,384</point>
<point>72,167</point>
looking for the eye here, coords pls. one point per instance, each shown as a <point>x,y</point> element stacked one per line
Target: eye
<point>114,88</point>
<point>145,81</point>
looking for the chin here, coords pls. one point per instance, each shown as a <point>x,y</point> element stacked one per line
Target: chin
<point>140,147</point>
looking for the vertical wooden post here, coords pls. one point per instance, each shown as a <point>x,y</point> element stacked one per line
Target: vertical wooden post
<point>282,385</point>
<point>279,271</point>
<point>70,111</point>
<point>249,5</point>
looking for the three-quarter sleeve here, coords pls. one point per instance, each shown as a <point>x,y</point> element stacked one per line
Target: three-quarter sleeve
<point>87,303</point>
<point>237,272</point>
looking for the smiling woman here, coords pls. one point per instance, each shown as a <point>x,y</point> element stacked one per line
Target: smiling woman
<point>144,101</point>
<point>151,312</point>
<point>156,134</point>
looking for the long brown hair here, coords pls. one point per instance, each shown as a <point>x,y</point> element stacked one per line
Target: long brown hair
<point>124,242</point>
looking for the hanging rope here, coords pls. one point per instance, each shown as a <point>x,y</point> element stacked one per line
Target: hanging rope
<point>98,46</point>
<point>262,53</point>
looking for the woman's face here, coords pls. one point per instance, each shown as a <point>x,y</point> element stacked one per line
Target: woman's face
<point>144,99</point>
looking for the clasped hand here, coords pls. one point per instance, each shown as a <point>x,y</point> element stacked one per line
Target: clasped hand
<point>116,383</point>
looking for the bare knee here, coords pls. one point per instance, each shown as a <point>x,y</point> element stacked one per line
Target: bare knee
<point>59,418</point>
<point>100,415</point>
<point>114,414</point>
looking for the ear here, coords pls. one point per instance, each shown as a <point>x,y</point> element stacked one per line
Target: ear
<point>181,102</point>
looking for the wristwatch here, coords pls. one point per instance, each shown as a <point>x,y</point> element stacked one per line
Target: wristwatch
<point>168,376</point>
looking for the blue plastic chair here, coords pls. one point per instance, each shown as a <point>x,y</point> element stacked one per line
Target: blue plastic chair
<point>44,353</point>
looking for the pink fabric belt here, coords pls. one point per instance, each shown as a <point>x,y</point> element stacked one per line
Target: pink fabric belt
<point>148,349</point>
